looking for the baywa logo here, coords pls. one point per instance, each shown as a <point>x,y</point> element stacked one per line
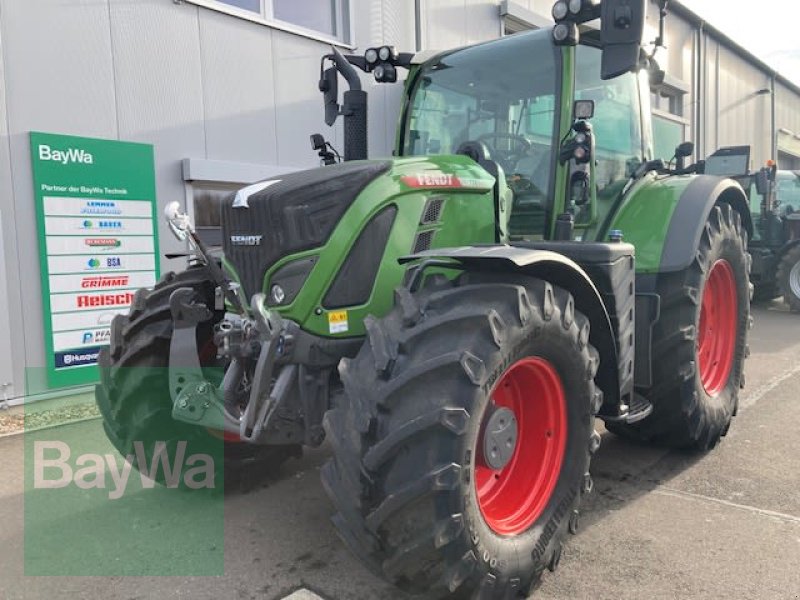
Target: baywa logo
<point>102,225</point>
<point>101,336</point>
<point>88,471</point>
<point>103,243</point>
<point>65,157</point>
<point>101,207</point>
<point>246,240</point>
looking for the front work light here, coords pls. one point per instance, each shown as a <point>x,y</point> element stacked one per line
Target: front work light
<point>386,53</point>
<point>560,10</point>
<point>371,56</point>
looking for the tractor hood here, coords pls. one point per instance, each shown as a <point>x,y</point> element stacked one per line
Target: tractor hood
<point>289,214</point>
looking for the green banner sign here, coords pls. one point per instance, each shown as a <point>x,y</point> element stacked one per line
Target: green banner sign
<point>98,244</point>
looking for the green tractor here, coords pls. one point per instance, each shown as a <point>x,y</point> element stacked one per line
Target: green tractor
<point>775,246</point>
<point>452,319</point>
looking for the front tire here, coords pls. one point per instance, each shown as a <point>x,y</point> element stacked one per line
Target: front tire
<point>700,342</point>
<point>789,278</point>
<point>133,394</point>
<point>418,499</point>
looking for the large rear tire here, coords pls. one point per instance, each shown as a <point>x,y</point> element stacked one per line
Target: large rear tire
<point>419,498</point>
<point>789,278</point>
<point>133,393</point>
<point>700,341</point>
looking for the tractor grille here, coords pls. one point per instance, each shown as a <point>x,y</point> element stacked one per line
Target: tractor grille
<point>433,210</point>
<point>423,241</point>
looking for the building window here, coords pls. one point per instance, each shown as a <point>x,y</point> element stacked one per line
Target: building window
<point>670,124</point>
<point>328,17</point>
<point>207,199</point>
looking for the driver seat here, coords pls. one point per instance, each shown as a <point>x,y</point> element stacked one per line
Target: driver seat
<point>479,152</point>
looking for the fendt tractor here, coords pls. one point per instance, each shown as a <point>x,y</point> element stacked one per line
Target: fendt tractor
<point>453,318</point>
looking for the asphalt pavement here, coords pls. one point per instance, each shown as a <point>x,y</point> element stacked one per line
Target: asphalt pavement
<point>660,524</point>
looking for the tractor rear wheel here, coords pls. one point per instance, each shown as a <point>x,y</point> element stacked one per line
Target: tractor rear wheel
<point>700,341</point>
<point>133,394</point>
<point>462,443</point>
<point>789,278</point>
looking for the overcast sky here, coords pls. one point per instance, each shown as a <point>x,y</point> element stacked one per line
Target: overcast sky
<point>768,28</point>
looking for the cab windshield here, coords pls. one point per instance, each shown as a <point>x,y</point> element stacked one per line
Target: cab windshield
<point>503,94</point>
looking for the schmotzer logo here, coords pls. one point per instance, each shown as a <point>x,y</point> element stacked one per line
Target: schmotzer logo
<point>103,243</point>
<point>88,471</point>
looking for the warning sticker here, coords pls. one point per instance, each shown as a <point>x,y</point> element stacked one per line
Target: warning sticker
<point>337,321</point>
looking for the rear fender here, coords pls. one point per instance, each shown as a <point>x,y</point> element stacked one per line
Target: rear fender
<point>664,218</point>
<point>690,216</point>
<point>558,270</point>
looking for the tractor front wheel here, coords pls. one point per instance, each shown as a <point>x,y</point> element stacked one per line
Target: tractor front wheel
<point>789,278</point>
<point>462,443</point>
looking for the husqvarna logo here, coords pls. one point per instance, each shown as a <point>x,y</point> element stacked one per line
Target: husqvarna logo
<point>246,240</point>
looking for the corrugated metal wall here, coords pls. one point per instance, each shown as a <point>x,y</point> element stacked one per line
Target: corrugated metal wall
<point>193,82</point>
<point>200,84</point>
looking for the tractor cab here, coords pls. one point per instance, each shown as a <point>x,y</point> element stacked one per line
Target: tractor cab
<point>515,110</point>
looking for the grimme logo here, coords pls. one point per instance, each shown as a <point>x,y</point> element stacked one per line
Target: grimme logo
<point>88,471</point>
<point>65,157</point>
<point>99,281</point>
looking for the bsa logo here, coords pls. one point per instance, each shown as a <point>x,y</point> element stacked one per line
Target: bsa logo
<point>246,240</point>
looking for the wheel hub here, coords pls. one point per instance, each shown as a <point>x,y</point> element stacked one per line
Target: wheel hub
<point>521,450</point>
<point>717,328</point>
<point>499,438</point>
<point>794,280</point>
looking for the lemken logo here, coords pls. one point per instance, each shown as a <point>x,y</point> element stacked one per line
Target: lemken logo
<point>246,240</point>
<point>65,157</point>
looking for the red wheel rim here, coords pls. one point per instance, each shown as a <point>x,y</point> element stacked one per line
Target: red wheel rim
<point>716,337</point>
<point>511,499</point>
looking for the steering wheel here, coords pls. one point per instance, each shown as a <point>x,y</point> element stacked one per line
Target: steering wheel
<point>508,159</point>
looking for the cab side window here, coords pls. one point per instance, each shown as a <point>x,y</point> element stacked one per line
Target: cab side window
<point>616,122</point>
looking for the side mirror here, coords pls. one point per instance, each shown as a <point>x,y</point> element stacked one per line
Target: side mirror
<point>329,86</point>
<point>621,29</point>
<point>762,182</point>
<point>179,222</point>
<point>583,109</point>
<point>682,152</point>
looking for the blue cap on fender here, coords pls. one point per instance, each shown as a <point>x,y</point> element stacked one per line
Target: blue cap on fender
<point>615,235</point>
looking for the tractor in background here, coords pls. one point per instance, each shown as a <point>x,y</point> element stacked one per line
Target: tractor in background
<point>452,319</point>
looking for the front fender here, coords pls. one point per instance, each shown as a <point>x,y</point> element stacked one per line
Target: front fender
<point>558,270</point>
